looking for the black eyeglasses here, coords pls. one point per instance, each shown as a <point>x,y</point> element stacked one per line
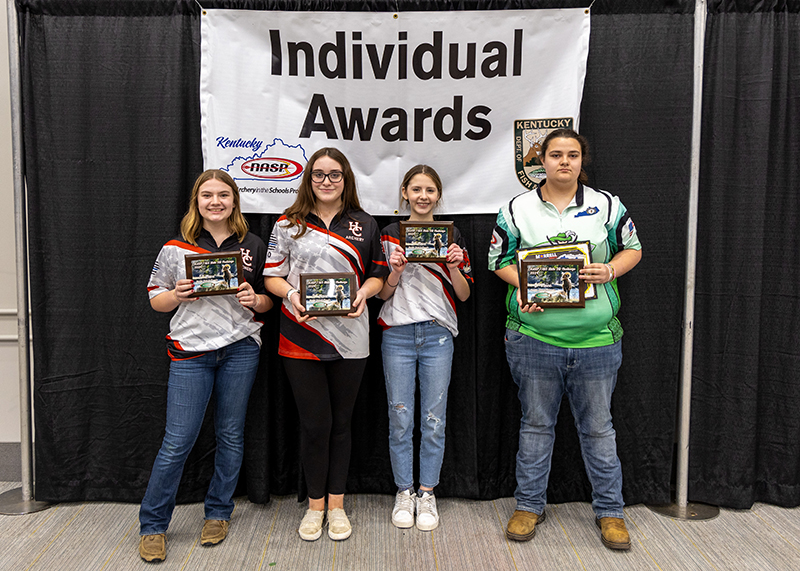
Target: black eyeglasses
<point>333,176</point>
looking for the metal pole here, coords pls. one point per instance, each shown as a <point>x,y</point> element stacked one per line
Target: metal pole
<point>21,500</point>
<point>682,508</point>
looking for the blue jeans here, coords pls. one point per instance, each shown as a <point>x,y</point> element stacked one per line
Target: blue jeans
<point>227,373</point>
<point>544,373</point>
<point>430,345</point>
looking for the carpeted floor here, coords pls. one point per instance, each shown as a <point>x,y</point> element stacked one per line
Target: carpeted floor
<point>104,536</point>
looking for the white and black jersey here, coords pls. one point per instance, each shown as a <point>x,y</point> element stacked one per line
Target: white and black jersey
<point>425,291</point>
<point>351,244</point>
<point>212,321</point>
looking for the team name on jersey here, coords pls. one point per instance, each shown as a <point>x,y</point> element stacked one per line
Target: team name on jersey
<point>355,230</point>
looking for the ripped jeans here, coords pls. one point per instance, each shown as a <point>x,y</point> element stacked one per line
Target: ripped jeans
<point>431,346</point>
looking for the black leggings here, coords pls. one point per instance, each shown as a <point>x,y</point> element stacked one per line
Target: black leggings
<point>325,393</point>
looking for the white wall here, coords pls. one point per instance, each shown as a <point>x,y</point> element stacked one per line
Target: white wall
<point>9,368</point>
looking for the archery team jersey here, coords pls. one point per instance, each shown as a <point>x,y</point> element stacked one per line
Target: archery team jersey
<point>425,291</point>
<point>351,244</point>
<point>213,321</point>
<point>593,216</point>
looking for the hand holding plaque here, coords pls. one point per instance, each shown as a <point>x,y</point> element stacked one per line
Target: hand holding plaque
<point>215,274</point>
<point>570,251</point>
<point>552,283</point>
<point>327,294</point>
<point>426,241</point>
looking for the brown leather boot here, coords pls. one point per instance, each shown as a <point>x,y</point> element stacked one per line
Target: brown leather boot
<point>522,525</point>
<point>153,548</point>
<point>613,533</point>
<point>214,531</point>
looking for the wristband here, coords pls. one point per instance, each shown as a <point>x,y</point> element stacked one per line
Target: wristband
<point>390,285</point>
<point>290,293</point>
<point>612,271</point>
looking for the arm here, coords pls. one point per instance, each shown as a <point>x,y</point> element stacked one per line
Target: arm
<point>397,262</point>
<point>622,262</point>
<point>510,275</point>
<point>169,300</point>
<point>280,287</point>
<point>248,297</point>
<point>372,286</point>
<point>455,257</point>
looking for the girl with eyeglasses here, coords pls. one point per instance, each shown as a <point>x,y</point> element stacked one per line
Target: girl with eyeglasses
<point>325,231</point>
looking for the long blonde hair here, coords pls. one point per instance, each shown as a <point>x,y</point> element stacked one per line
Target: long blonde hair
<point>192,222</point>
<point>306,199</point>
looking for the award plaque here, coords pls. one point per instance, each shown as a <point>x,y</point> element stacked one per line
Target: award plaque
<point>327,294</point>
<point>573,251</point>
<point>215,274</point>
<point>552,282</point>
<point>426,241</point>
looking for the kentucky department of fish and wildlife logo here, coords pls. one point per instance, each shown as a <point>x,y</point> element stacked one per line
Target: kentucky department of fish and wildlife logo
<point>528,137</point>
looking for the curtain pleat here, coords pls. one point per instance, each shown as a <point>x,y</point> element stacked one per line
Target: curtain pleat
<point>112,145</point>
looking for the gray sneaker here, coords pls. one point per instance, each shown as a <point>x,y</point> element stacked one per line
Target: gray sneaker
<point>311,525</point>
<point>427,514</point>
<point>403,512</point>
<point>338,524</point>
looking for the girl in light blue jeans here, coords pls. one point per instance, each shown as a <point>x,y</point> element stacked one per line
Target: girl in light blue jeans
<point>419,321</point>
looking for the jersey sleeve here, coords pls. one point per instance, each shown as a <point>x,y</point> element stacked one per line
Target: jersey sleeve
<point>163,277</point>
<point>277,261</point>
<point>377,264</point>
<point>390,239</point>
<point>260,262</point>
<point>622,233</point>
<point>465,266</point>
<point>505,241</point>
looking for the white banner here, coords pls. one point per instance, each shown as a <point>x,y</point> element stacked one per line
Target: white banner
<point>468,93</point>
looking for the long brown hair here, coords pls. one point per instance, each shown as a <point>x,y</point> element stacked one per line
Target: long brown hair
<point>427,171</point>
<point>192,222</point>
<point>583,178</point>
<point>306,200</point>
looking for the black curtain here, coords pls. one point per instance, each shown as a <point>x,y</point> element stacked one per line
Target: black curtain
<point>112,146</point>
<point>745,431</point>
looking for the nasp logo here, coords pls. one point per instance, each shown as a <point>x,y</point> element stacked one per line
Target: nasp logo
<point>276,165</point>
<point>528,137</point>
<point>271,168</point>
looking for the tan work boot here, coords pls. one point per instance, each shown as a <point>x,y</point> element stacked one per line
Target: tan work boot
<point>613,532</point>
<point>153,548</point>
<point>522,525</point>
<point>214,531</point>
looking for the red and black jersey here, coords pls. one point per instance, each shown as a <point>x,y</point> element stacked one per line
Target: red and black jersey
<point>350,244</point>
<point>425,291</point>
<point>214,321</point>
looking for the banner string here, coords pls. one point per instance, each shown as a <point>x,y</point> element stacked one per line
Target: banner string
<point>203,9</point>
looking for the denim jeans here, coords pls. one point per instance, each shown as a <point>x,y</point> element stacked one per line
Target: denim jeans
<point>227,373</point>
<point>544,373</point>
<point>430,345</point>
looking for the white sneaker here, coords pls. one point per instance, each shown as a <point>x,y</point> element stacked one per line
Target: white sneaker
<point>427,514</point>
<point>311,525</point>
<point>338,525</point>
<point>403,512</point>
